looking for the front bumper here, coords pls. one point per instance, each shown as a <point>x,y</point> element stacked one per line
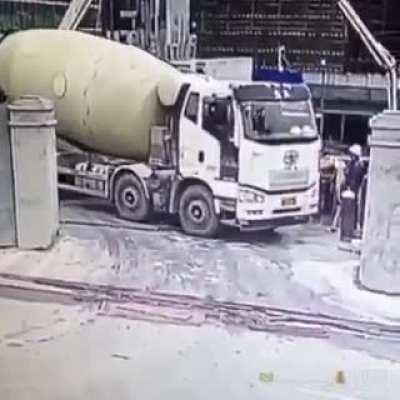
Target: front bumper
<point>279,209</point>
<point>260,225</point>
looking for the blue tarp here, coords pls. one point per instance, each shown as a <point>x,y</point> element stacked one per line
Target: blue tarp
<point>274,75</point>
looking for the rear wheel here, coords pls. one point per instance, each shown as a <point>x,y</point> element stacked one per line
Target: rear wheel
<point>197,212</point>
<point>130,199</point>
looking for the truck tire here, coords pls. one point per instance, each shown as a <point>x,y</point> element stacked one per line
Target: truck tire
<point>130,199</point>
<point>197,212</point>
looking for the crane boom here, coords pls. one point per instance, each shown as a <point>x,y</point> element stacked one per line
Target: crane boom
<point>74,15</point>
<point>381,55</point>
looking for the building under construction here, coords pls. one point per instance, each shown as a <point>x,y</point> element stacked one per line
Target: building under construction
<point>150,24</point>
<point>314,32</point>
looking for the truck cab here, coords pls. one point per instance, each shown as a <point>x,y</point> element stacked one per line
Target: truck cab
<point>247,155</point>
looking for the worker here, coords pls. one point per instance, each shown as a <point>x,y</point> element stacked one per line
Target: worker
<point>327,183</point>
<point>354,175</point>
<point>355,169</point>
<point>340,179</point>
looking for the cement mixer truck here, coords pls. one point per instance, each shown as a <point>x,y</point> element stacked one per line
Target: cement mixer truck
<point>152,139</point>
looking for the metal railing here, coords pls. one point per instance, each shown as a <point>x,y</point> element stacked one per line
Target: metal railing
<point>365,81</point>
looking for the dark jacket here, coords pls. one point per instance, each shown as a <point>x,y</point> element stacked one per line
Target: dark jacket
<point>354,173</point>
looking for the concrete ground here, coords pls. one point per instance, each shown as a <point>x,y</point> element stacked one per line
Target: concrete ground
<point>319,344</point>
<point>295,267</point>
<point>51,351</point>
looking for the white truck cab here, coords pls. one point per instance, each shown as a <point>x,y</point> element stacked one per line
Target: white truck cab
<point>255,147</point>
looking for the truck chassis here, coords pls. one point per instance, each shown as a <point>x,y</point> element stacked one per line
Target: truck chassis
<point>138,191</point>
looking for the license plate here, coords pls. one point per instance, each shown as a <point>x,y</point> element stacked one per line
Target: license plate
<point>289,201</point>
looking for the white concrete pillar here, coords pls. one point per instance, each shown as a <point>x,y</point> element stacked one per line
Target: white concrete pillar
<point>7,207</point>
<point>33,143</point>
<point>380,264</point>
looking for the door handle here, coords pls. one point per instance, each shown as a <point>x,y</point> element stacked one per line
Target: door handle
<point>201,156</point>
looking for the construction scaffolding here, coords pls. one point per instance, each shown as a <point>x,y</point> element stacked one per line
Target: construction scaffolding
<point>315,34</point>
<point>24,14</point>
<point>161,27</point>
<point>312,31</point>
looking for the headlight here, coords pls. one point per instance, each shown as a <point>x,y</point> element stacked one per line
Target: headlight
<point>308,131</point>
<point>249,196</point>
<point>295,130</point>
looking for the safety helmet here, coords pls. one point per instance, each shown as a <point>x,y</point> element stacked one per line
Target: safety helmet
<point>356,150</point>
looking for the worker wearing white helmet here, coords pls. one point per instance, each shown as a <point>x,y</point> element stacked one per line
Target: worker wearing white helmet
<point>355,150</point>
<point>355,169</point>
<point>355,172</point>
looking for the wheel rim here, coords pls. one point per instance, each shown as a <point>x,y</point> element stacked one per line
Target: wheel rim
<point>198,213</point>
<point>130,198</point>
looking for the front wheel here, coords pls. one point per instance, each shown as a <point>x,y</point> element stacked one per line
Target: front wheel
<point>130,199</point>
<point>197,212</point>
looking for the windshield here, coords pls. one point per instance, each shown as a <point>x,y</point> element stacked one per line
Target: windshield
<point>275,120</point>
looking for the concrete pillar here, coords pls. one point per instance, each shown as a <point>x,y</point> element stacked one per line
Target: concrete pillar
<point>33,145</point>
<point>7,206</point>
<point>380,264</point>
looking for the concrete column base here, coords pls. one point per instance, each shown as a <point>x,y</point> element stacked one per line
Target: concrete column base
<point>380,263</point>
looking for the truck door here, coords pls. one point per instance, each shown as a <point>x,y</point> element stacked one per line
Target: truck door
<point>219,121</point>
<point>206,138</point>
<point>191,146</point>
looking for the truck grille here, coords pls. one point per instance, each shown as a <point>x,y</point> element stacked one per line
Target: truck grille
<point>288,179</point>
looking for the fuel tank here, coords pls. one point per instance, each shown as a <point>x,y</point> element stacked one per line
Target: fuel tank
<point>107,95</point>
